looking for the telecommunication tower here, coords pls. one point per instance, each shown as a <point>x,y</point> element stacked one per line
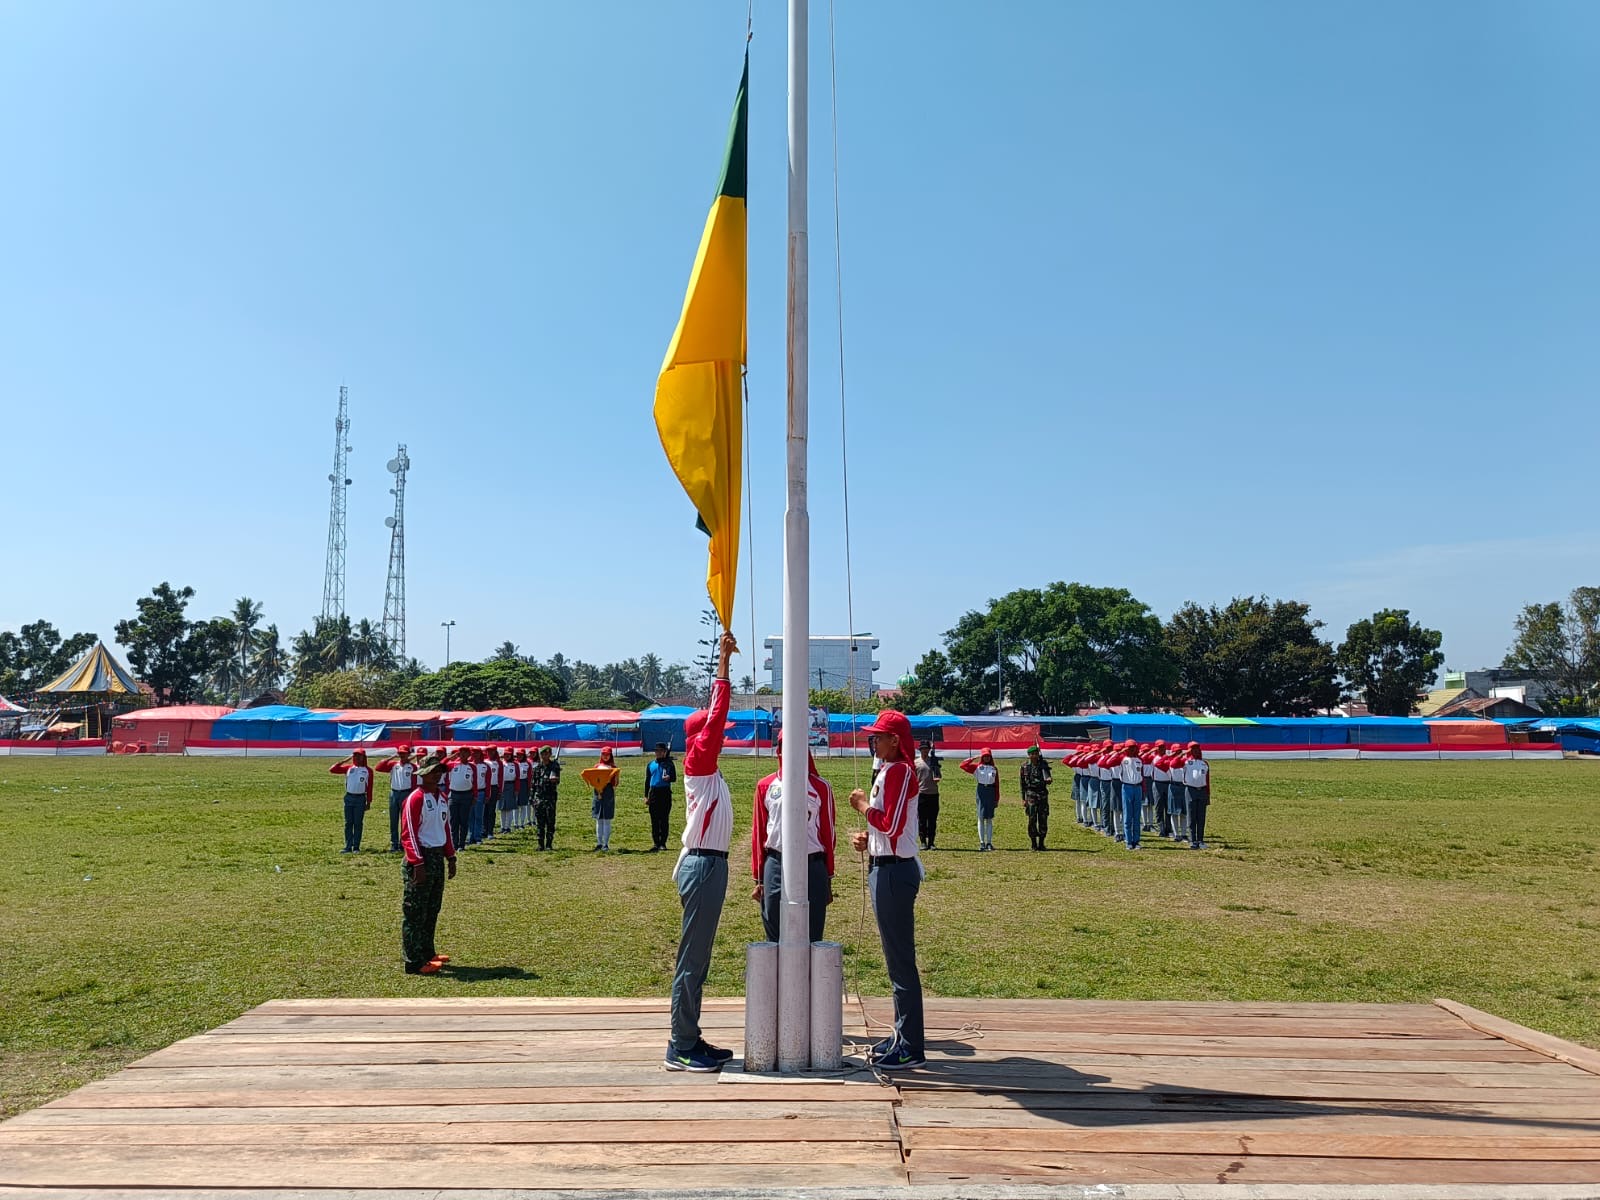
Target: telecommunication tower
<point>394,592</point>
<point>333,574</point>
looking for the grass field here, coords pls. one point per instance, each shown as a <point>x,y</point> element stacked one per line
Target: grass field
<point>152,898</point>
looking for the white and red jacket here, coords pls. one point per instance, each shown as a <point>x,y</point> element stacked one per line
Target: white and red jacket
<point>402,774</point>
<point>357,778</point>
<point>766,825</point>
<point>708,806</point>
<point>425,824</point>
<point>892,812</point>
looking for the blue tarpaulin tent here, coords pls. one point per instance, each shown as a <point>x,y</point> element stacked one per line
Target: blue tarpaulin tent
<point>664,723</point>
<point>276,723</point>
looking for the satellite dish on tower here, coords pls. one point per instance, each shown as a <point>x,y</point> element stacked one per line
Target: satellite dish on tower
<point>388,522</point>
<point>392,466</point>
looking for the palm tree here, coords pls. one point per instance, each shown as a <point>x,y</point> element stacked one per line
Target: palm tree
<point>246,616</point>
<point>561,668</point>
<point>650,674</point>
<point>585,675</point>
<point>269,663</point>
<point>368,648</point>
<point>505,651</point>
<point>226,678</point>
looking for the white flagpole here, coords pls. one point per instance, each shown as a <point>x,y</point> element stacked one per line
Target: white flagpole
<point>794,940</point>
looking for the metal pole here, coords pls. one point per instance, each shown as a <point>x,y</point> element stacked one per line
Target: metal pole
<point>794,928</point>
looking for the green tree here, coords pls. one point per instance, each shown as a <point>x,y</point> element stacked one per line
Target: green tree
<point>269,661</point>
<point>1254,658</point>
<point>226,680</point>
<point>1052,649</point>
<point>1559,646</point>
<point>479,686</point>
<point>172,654</point>
<point>839,700</point>
<point>506,650</point>
<point>1390,661</point>
<point>36,654</point>
<point>246,618</point>
<point>329,645</point>
<point>935,683</point>
<point>650,674</point>
<point>354,687</point>
<point>596,698</point>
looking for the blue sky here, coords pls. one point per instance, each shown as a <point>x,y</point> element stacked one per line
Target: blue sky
<point>1198,300</point>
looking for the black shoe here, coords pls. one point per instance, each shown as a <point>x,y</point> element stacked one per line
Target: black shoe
<point>717,1053</point>
<point>897,1059</point>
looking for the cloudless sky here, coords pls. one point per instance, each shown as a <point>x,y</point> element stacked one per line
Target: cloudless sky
<point>1200,300</point>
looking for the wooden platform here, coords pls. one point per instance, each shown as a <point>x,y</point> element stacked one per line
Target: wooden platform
<point>549,1094</point>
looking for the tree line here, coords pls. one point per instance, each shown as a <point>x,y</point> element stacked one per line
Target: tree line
<point>1051,650</point>
<point>334,663</point>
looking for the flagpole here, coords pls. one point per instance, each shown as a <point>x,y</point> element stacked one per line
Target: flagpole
<point>794,933</point>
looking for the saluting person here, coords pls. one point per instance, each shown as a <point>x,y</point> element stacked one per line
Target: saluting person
<point>1035,778</point>
<point>1197,786</point>
<point>402,781</point>
<point>987,776</point>
<point>357,796</point>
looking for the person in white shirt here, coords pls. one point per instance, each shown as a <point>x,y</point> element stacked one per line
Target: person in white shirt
<point>1130,773</point>
<point>425,820</point>
<point>894,881</point>
<point>702,871</point>
<point>357,797</point>
<point>1197,786</point>
<point>402,779</point>
<point>462,782</point>
<point>766,848</point>
<point>987,776</point>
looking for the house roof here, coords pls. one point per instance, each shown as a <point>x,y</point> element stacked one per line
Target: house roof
<point>1439,697</point>
<point>1475,706</point>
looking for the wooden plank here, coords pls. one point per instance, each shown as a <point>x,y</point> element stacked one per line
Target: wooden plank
<point>1371,1087</point>
<point>404,1023</point>
<point>1582,1057</point>
<point>1253,1142</point>
<point>970,1167</point>
<point>813,1132</point>
<point>203,1052</point>
<point>1071,1006</point>
<point>377,1005</point>
<point>110,1094</point>
<point>862,1114</point>
<point>1352,1120</point>
<point>1177,1106</point>
<point>649,1167</point>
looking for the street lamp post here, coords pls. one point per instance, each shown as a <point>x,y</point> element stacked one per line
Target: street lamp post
<point>447,626</point>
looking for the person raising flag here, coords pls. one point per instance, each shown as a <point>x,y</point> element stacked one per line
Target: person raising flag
<point>702,871</point>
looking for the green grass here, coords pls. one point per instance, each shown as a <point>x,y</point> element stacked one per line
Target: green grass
<point>151,898</point>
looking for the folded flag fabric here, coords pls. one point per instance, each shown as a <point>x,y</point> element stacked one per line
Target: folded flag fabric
<point>600,778</point>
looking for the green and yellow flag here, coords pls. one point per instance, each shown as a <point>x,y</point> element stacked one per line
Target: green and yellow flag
<point>697,394</point>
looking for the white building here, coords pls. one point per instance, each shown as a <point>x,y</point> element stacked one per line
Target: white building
<point>836,661</point>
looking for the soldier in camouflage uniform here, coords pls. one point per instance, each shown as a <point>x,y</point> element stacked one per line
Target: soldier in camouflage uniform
<point>1036,796</point>
<point>546,783</point>
<point>430,855</point>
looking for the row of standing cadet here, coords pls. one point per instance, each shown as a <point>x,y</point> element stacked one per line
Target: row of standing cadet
<point>492,793</point>
<point>1130,788</point>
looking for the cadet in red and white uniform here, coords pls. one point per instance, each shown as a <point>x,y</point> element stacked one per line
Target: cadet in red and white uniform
<point>357,796</point>
<point>430,859</point>
<point>462,779</point>
<point>480,794</point>
<point>766,847</point>
<point>895,878</point>
<point>402,781</point>
<point>702,871</point>
<point>1197,790</point>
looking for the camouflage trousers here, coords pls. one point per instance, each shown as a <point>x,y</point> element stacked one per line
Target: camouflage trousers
<point>419,908</point>
<point>544,819</point>
<point>1038,819</point>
